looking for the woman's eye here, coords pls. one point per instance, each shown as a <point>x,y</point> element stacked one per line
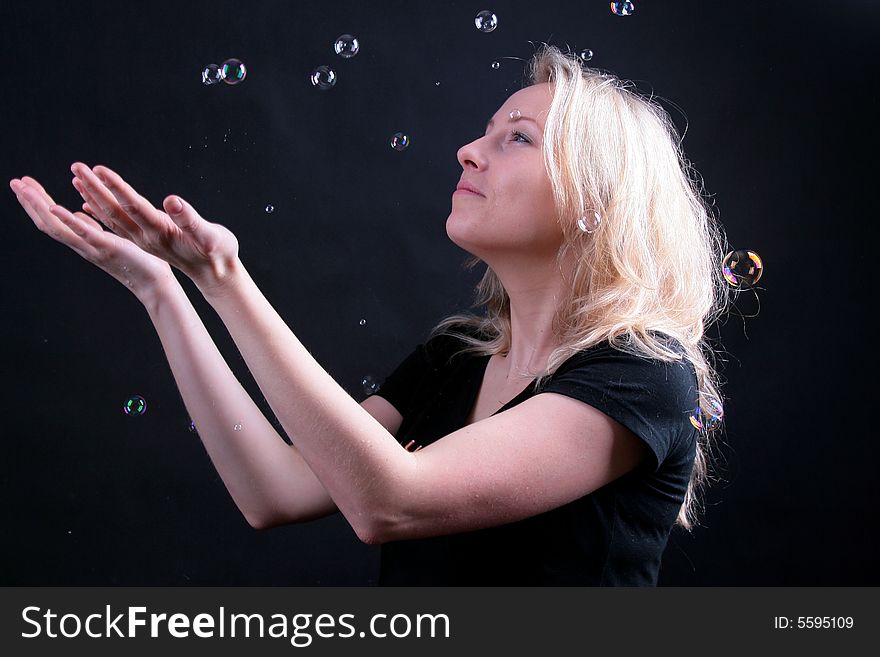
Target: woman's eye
<point>519,134</point>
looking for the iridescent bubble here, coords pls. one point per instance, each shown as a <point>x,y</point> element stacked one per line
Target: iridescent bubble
<point>211,74</point>
<point>346,46</point>
<point>399,141</point>
<point>742,268</point>
<point>623,8</point>
<point>237,427</point>
<point>589,222</point>
<point>496,64</point>
<point>515,114</point>
<point>370,386</point>
<point>232,71</point>
<point>192,426</point>
<point>708,418</point>
<point>323,77</point>
<point>586,55</point>
<point>486,21</point>
<point>270,209</point>
<point>135,405</point>
<point>362,322</point>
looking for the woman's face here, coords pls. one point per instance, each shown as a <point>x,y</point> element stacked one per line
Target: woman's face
<point>514,210</point>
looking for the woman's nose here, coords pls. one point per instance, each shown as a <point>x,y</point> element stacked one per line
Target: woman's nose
<point>470,154</point>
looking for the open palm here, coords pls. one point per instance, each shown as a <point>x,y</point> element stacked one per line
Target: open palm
<point>125,261</point>
<point>179,235</point>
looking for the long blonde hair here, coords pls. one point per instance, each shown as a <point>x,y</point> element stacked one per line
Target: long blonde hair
<point>653,263</point>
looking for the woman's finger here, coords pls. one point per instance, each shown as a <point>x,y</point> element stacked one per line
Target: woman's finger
<point>89,206</point>
<point>35,205</point>
<point>33,183</point>
<point>139,209</point>
<point>27,197</point>
<point>106,205</point>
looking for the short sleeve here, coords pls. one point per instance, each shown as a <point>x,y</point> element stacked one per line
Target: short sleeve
<point>650,397</point>
<point>400,386</point>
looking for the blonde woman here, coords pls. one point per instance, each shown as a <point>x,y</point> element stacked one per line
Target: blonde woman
<point>547,441</point>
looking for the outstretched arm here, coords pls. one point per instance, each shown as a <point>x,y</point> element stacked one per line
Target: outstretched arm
<point>358,461</point>
<point>266,477</point>
<point>263,474</point>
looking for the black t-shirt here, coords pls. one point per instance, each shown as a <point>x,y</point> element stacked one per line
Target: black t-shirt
<point>615,536</point>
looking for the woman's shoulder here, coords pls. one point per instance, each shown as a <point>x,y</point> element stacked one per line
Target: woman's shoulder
<point>624,358</point>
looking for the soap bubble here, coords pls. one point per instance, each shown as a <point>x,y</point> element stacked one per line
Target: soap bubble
<point>486,21</point>
<point>399,141</point>
<point>589,222</point>
<point>496,64</point>
<point>623,8</point>
<point>362,322</point>
<point>211,74</point>
<point>742,268</point>
<point>586,55</point>
<point>369,385</point>
<point>135,405</point>
<point>270,209</point>
<point>192,426</point>
<point>232,71</point>
<point>515,114</point>
<point>237,427</point>
<point>346,46</point>
<point>323,77</point>
<point>709,418</point>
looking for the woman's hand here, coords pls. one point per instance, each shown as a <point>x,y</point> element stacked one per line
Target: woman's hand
<point>144,274</point>
<point>202,250</point>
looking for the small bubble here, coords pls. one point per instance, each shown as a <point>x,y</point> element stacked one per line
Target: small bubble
<point>623,8</point>
<point>270,209</point>
<point>346,46</point>
<point>135,405</point>
<point>211,74</point>
<point>437,84</point>
<point>486,21</point>
<point>399,141</point>
<point>496,65</point>
<point>710,419</point>
<point>589,223</point>
<point>369,385</point>
<point>515,114</point>
<point>742,268</point>
<point>192,426</point>
<point>323,77</point>
<point>362,322</point>
<point>237,427</point>
<point>586,55</point>
<point>233,71</point>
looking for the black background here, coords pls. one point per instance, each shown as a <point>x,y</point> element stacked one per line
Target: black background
<point>779,100</point>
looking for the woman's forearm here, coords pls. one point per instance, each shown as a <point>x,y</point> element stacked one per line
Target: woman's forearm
<point>359,463</point>
<point>262,472</point>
